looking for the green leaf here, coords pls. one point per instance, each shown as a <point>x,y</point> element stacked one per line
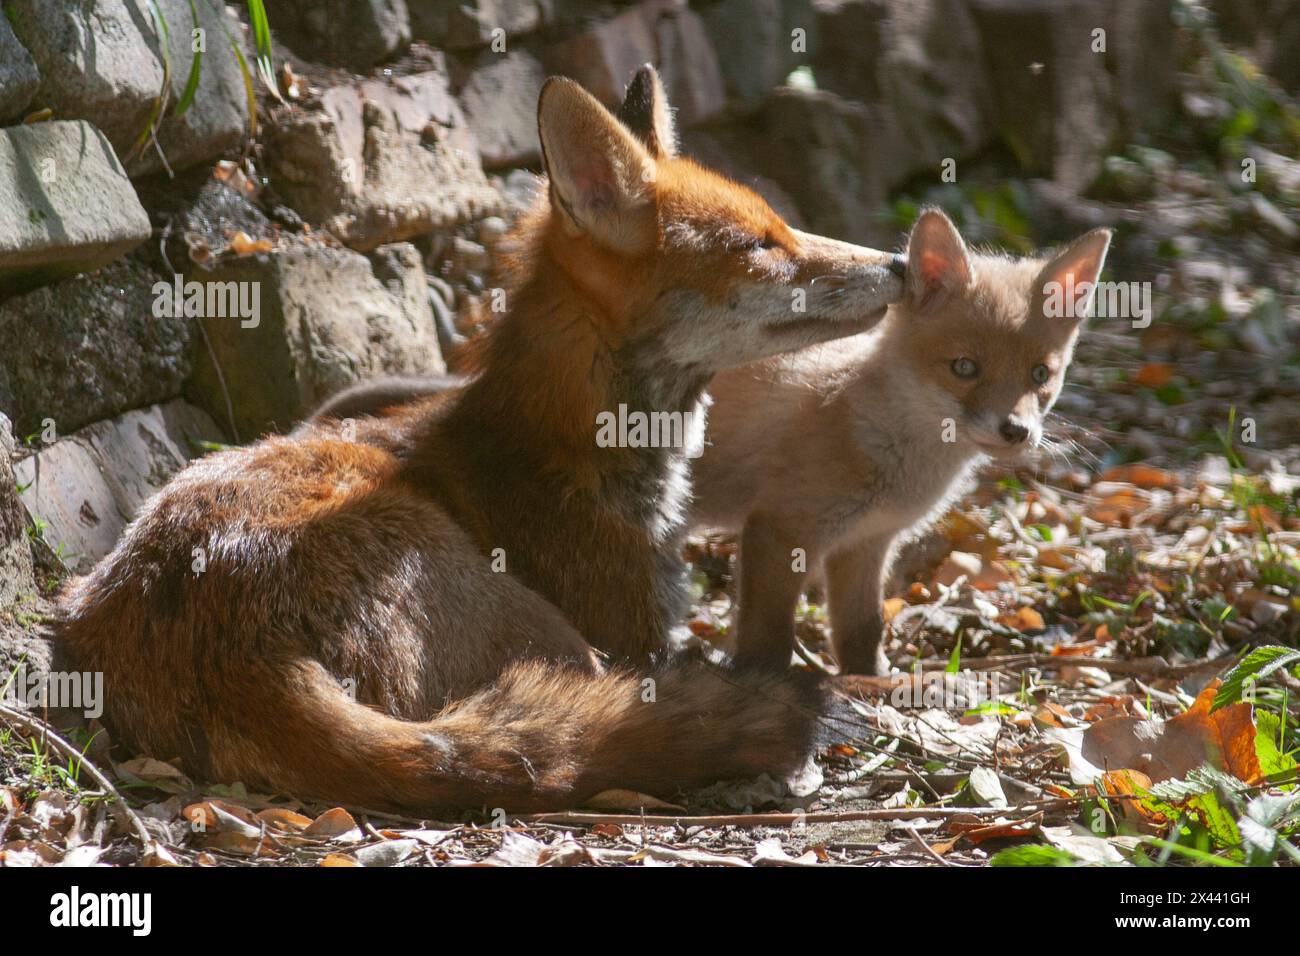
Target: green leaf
<point>954,659</point>
<point>1033,855</point>
<point>1256,665</point>
<point>1218,820</point>
<point>1203,779</point>
<point>995,707</point>
<point>1259,825</point>
<point>1272,761</point>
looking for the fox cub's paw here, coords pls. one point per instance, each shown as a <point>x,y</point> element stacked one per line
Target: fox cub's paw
<point>864,659</point>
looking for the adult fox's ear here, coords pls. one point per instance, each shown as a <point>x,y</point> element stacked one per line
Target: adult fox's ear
<point>601,177</point>
<point>1068,282</point>
<point>645,111</point>
<point>937,261</point>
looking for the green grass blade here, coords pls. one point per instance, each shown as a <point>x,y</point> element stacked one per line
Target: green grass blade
<point>262,40</point>
<point>250,89</point>
<point>196,68</point>
<point>155,114</point>
<point>1191,852</point>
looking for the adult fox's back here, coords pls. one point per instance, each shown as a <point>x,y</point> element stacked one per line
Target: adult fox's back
<point>420,614</point>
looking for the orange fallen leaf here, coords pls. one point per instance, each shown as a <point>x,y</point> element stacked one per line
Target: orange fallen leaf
<point>977,830</point>
<point>1055,558</point>
<point>242,244</point>
<point>1262,516</point>
<point>1024,619</point>
<point>1117,509</point>
<point>1143,476</point>
<point>1164,750</point>
<point>331,823</point>
<point>1122,706</point>
<point>1083,649</point>
<point>1053,715</point>
<point>1153,375</point>
<point>205,814</point>
<point>284,819</point>
<point>1131,785</point>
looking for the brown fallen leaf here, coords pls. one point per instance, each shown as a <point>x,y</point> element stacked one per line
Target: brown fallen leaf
<point>1164,750</point>
<point>156,773</point>
<point>627,800</point>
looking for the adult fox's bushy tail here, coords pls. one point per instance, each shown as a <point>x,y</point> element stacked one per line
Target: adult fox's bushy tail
<point>542,736</point>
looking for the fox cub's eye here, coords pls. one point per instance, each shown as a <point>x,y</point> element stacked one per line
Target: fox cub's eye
<point>965,368</point>
<point>1041,374</point>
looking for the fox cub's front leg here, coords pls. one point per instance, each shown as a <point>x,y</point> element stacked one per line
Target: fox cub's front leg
<point>771,580</point>
<point>855,588</point>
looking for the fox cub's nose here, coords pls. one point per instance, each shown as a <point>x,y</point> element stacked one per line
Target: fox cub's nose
<point>1013,431</point>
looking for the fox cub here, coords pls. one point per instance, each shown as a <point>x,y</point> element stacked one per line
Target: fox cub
<point>836,453</point>
<point>462,604</point>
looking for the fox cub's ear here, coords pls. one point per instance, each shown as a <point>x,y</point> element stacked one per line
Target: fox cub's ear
<point>646,113</point>
<point>1070,279</point>
<point>937,262</point>
<point>601,176</point>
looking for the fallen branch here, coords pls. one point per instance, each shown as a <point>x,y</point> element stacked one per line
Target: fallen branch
<point>40,729</point>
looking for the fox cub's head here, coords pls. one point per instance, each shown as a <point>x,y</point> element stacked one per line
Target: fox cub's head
<point>686,267</point>
<point>989,336</point>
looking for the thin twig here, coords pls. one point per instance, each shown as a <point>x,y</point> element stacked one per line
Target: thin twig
<point>765,819</point>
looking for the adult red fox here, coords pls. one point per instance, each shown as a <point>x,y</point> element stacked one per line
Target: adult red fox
<point>415,616</point>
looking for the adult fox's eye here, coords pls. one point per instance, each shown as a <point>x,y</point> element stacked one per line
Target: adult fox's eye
<point>965,368</point>
<point>1041,374</point>
<point>767,242</point>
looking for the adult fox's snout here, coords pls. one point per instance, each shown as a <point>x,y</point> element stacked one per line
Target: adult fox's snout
<point>844,279</point>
